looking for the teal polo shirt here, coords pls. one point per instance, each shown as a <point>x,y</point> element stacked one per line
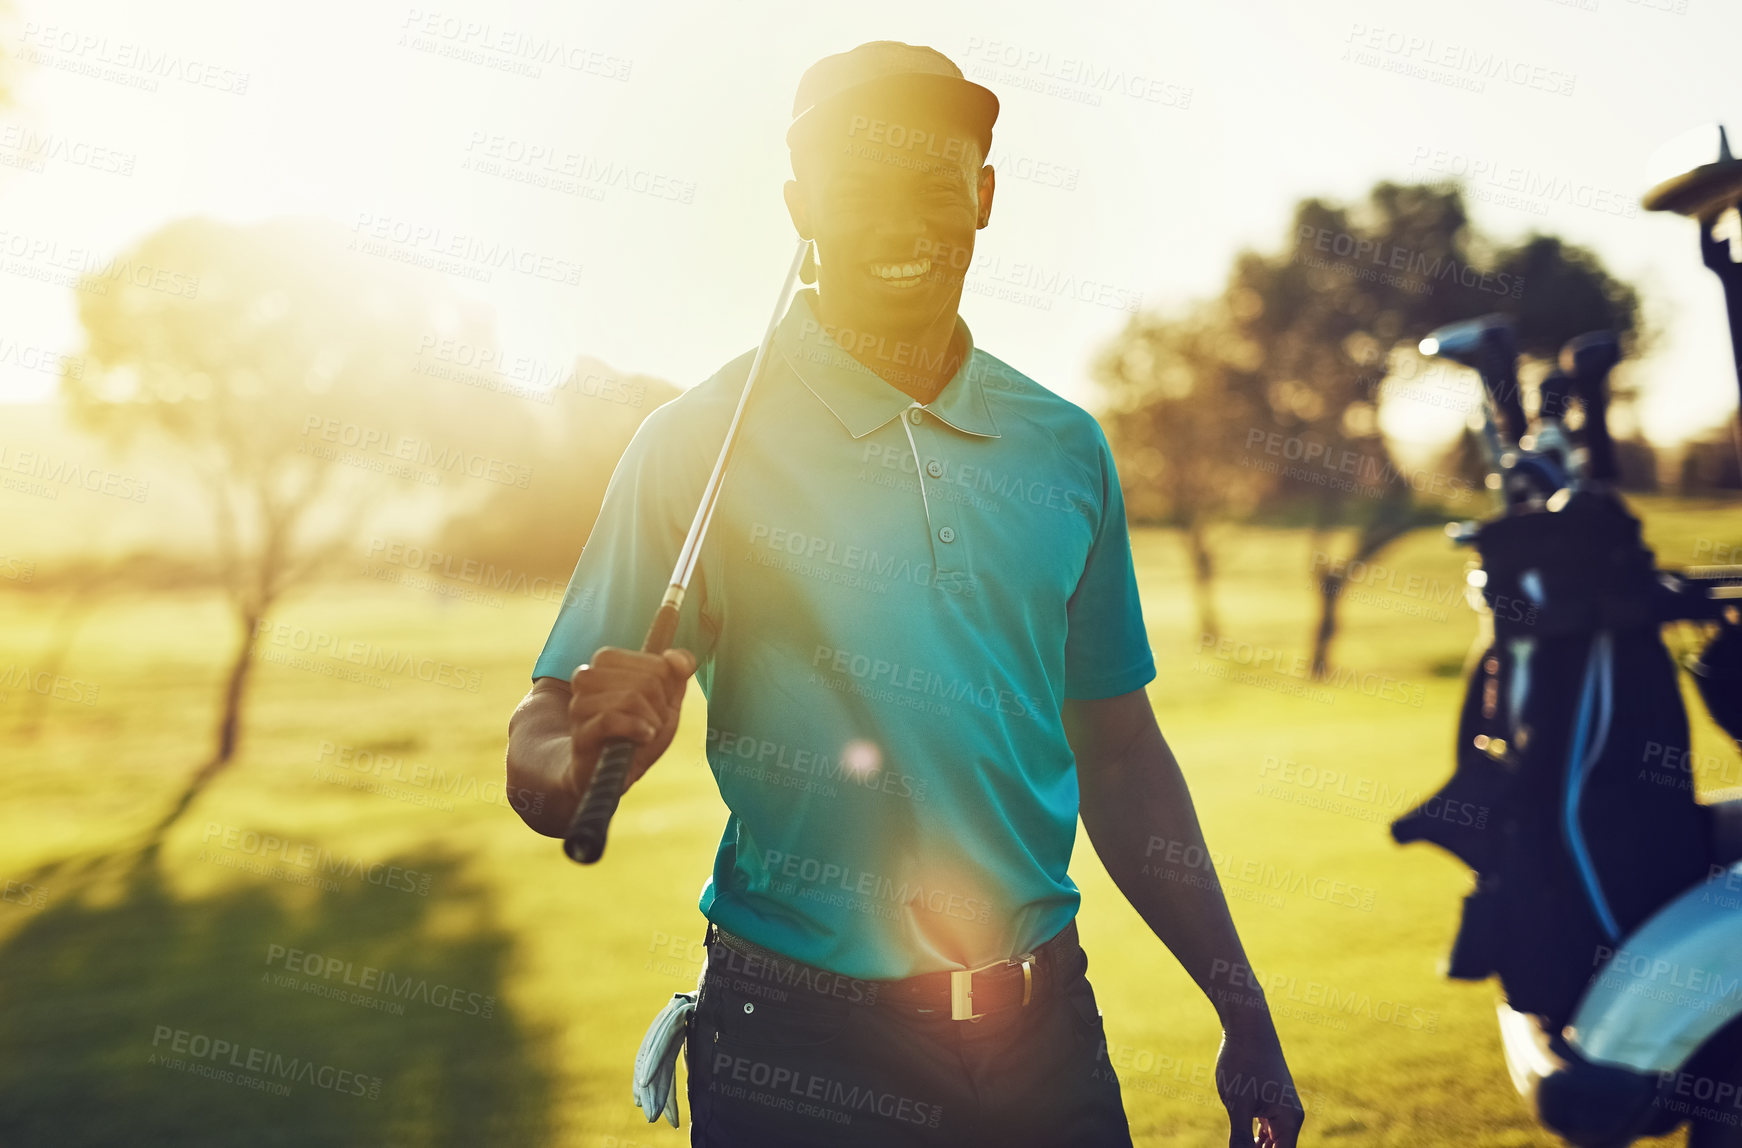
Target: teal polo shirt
<point>893,601</point>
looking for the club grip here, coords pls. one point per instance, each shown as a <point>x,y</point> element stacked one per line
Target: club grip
<point>1598,441</point>
<point>585,839</point>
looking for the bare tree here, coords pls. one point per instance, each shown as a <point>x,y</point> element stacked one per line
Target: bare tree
<point>284,371</point>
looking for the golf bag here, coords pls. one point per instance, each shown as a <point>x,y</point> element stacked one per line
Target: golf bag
<point>1571,798</point>
<point>1601,897</point>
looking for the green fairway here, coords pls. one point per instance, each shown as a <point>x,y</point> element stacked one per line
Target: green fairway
<point>470,986</point>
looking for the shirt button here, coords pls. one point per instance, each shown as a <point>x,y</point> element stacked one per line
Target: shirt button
<point>947,534</point>
<point>935,468</point>
<point>915,416</point>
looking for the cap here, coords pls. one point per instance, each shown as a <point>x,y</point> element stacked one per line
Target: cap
<point>888,71</point>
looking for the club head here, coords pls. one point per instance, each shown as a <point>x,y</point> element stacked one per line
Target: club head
<point>1489,345</point>
<point>1555,392</point>
<point>1590,357</point>
<point>1471,342</point>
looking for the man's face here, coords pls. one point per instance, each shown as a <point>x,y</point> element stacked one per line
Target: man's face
<point>892,203</point>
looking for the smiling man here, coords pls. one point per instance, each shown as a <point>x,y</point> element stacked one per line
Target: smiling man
<point>921,644</point>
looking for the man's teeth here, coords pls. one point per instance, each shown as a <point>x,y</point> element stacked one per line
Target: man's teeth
<point>901,270</point>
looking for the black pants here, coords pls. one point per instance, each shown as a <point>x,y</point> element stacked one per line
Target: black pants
<point>774,1065</point>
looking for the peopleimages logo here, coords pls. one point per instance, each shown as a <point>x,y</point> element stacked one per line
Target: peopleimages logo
<point>835,883</point>
<point>371,980</point>
<point>471,571</point>
<point>919,680</point>
<point>366,654</point>
<point>315,861</point>
<point>1321,994</point>
<point>1315,460</point>
<point>89,271</point>
<point>1460,65</point>
<point>1068,77</point>
<point>1278,662</point>
<point>57,473</point>
<point>56,686</point>
<point>372,443</point>
<point>1391,257</point>
<point>201,1054</point>
<point>852,566</point>
<point>802,1088</point>
<point>135,65</point>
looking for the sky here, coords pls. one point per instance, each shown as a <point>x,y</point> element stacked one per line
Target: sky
<point>635,153</point>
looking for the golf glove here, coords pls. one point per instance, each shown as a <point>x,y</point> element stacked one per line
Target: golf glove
<point>656,1062</point>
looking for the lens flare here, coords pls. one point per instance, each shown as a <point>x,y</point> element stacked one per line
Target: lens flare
<point>861,757</point>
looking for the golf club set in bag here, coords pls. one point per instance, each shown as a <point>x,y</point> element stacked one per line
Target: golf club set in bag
<point>1607,899</point>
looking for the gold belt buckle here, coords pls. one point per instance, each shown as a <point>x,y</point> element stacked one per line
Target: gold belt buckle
<point>962,986</point>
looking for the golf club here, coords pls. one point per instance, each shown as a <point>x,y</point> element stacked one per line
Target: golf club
<point>1485,345</point>
<point>585,840</point>
<point>1589,359</point>
<point>1489,345</point>
<point>1552,439</point>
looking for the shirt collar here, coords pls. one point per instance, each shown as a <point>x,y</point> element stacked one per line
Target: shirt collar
<point>860,398</point>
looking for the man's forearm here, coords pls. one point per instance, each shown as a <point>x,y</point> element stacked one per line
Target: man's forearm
<point>1139,815</point>
<point>539,749</point>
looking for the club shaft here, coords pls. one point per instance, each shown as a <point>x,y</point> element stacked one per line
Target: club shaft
<point>686,558</point>
<point>585,840</point>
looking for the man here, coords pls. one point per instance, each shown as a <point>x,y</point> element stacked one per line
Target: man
<point>921,643</point>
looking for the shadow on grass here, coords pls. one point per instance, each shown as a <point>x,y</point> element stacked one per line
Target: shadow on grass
<point>115,994</point>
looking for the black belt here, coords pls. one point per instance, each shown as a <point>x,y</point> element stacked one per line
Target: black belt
<point>960,994</point>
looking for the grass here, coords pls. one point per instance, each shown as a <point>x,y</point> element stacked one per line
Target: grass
<point>526,982</point>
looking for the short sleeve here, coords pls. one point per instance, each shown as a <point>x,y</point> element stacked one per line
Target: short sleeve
<point>1106,644</point>
<point>626,564</point>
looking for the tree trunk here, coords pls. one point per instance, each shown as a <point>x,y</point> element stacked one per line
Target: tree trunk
<point>229,731</point>
<point>1391,521</point>
<point>230,725</point>
<point>1330,590</point>
<point>1203,574</point>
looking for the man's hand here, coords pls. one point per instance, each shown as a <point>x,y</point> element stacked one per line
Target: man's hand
<point>1254,1083</point>
<point>624,694</point>
<point>1135,805</point>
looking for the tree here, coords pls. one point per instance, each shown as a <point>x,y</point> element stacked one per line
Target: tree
<point>1176,415</point>
<point>1318,326</point>
<point>1360,286</point>
<point>285,372</point>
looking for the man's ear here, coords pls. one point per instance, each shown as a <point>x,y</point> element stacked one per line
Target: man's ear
<point>797,208</point>
<point>988,184</point>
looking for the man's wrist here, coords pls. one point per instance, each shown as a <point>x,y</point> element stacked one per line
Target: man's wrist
<point>1242,1010</point>
<point>542,789</point>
